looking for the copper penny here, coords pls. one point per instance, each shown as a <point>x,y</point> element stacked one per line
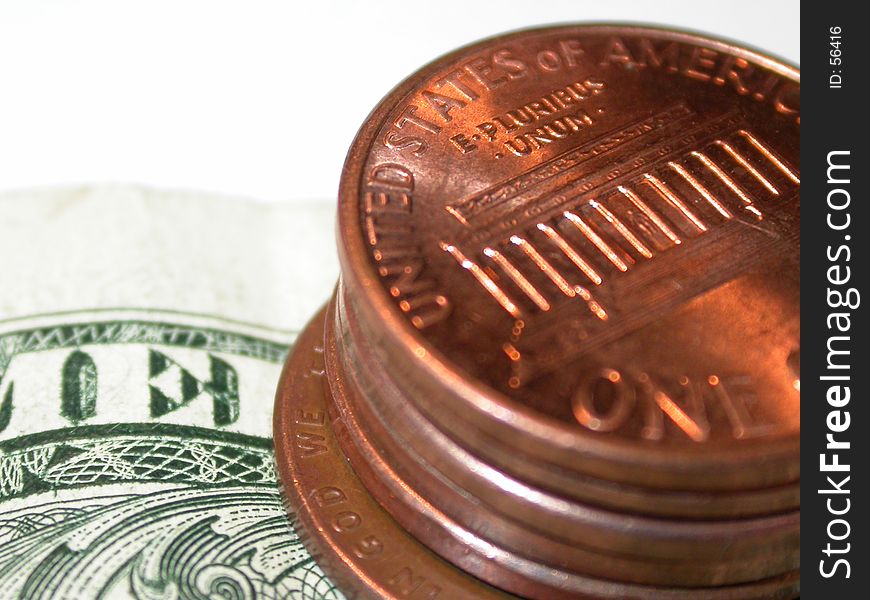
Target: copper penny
<point>585,240</point>
<point>563,357</point>
<point>505,511</point>
<point>364,550</point>
<point>402,421</point>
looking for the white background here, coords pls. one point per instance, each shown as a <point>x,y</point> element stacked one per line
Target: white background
<point>257,98</point>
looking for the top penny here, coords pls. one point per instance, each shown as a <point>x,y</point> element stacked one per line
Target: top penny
<point>592,230</point>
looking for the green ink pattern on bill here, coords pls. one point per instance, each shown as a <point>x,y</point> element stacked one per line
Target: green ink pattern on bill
<point>141,337</point>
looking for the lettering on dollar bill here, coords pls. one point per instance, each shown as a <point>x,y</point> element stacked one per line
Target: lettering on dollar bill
<point>608,400</point>
<point>387,207</point>
<point>6,407</point>
<point>78,387</point>
<point>171,387</point>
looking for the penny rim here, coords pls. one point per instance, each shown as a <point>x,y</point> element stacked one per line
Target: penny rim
<point>775,461</point>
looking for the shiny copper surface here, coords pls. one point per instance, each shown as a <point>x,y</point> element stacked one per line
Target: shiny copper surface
<point>564,351</point>
<point>569,538</point>
<point>521,370</point>
<point>370,555</point>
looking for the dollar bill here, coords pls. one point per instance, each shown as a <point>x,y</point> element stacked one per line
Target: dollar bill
<point>141,338</point>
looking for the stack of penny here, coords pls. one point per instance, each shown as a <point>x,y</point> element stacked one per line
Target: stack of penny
<point>563,355</point>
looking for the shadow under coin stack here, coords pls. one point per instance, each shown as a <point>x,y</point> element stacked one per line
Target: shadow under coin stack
<point>563,356</point>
